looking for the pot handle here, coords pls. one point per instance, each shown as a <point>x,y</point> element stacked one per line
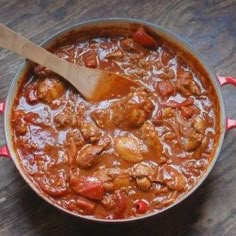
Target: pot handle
<point>230,124</point>
<point>226,80</point>
<point>4,150</point>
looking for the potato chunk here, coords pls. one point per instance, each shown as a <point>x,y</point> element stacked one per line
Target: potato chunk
<point>128,149</point>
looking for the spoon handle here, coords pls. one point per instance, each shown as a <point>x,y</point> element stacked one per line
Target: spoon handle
<point>23,47</point>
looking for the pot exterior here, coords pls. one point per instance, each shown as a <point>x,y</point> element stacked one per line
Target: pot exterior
<point>116,23</point>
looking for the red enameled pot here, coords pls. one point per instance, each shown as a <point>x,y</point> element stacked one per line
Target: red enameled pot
<point>217,81</point>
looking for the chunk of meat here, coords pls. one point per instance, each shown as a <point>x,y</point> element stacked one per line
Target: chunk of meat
<point>38,119</point>
<point>200,124</point>
<point>166,57</point>
<point>90,131</point>
<point>119,182</point>
<point>103,118</point>
<point>129,45</point>
<point>21,128</point>
<point>188,87</point>
<point>73,142</point>
<point>74,137</point>
<point>168,74</point>
<point>168,112</point>
<point>54,183</point>
<point>202,148</point>
<point>50,89</point>
<point>128,113</point>
<point>148,135</point>
<point>175,104</point>
<point>90,154</point>
<point>144,39</point>
<point>42,71</point>
<point>66,118</point>
<point>113,178</point>
<point>165,88</point>
<point>108,202</point>
<point>143,183</point>
<point>172,178</point>
<point>144,169</point>
<point>128,149</point>
<point>183,123</point>
<point>20,125</point>
<point>187,112</point>
<point>144,174</point>
<point>132,111</point>
<point>88,187</point>
<point>116,201</point>
<point>109,174</point>
<point>192,142</point>
<point>182,74</point>
<point>117,54</point>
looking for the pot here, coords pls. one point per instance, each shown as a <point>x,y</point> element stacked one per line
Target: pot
<point>217,81</point>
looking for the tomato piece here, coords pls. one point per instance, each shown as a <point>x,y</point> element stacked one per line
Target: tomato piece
<point>121,204</point>
<point>165,88</point>
<point>141,206</point>
<point>54,183</point>
<point>31,117</point>
<point>187,112</point>
<point>187,102</point>
<point>81,205</point>
<point>91,61</point>
<point>172,104</point>
<point>144,39</point>
<point>87,206</point>
<point>42,71</point>
<point>89,187</point>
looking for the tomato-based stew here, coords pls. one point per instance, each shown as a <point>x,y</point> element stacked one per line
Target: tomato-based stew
<point>123,157</point>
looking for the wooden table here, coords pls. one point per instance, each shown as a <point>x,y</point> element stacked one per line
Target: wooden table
<point>210,27</point>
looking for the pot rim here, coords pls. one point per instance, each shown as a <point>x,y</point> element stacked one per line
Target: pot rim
<point>154,27</point>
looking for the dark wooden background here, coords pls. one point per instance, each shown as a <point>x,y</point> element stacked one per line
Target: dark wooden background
<point>210,27</point>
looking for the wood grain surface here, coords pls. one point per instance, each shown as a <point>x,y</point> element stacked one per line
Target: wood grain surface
<point>210,27</point>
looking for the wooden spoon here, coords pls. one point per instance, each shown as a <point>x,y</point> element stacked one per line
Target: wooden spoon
<point>93,84</point>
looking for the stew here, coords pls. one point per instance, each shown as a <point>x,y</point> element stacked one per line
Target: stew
<point>122,157</point>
